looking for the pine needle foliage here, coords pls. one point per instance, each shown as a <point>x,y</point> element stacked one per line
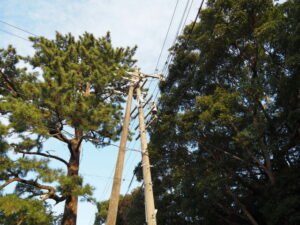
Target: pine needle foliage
<point>68,94</point>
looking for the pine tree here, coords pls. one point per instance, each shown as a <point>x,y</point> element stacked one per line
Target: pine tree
<point>68,96</point>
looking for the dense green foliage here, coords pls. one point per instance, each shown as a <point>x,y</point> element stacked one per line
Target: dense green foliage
<point>128,213</point>
<point>226,147</point>
<point>15,210</point>
<point>69,98</point>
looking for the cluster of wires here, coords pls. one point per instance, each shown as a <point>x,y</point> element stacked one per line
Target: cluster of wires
<point>16,28</point>
<point>169,59</point>
<point>132,152</point>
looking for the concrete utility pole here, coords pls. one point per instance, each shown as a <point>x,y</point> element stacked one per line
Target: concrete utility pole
<point>149,199</point>
<point>135,78</point>
<point>115,193</point>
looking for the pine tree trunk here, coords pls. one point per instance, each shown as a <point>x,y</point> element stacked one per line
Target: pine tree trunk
<point>70,211</point>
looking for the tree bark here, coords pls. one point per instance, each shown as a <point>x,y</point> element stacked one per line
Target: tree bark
<point>70,211</point>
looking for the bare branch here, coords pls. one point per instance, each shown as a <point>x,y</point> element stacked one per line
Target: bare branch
<point>46,155</point>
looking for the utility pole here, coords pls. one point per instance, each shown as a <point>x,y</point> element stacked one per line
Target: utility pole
<point>135,78</point>
<point>115,193</point>
<point>149,199</point>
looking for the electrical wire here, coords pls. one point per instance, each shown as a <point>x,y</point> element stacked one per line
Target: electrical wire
<point>195,20</point>
<point>131,181</point>
<point>107,185</point>
<point>166,36</point>
<point>183,20</point>
<point>170,57</point>
<point>165,40</point>
<point>15,35</point>
<point>180,29</point>
<point>21,29</point>
<point>103,177</point>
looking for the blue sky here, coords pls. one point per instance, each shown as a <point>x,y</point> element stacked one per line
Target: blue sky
<point>131,22</point>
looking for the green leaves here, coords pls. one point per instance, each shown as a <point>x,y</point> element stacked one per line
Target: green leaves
<point>73,186</point>
<point>225,136</point>
<point>14,210</point>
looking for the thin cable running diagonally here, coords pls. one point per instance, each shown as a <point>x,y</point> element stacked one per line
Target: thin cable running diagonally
<point>180,28</point>
<point>15,35</point>
<point>166,37</point>
<point>181,25</point>
<point>159,57</point>
<point>169,58</point>
<point>189,35</point>
<point>109,182</point>
<point>21,29</point>
<point>165,40</point>
<point>131,181</point>
<point>194,23</point>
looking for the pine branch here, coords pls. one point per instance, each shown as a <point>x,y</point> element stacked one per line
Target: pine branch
<point>45,155</point>
<point>10,84</point>
<point>60,137</point>
<point>49,195</point>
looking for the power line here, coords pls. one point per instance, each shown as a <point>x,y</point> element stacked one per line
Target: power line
<point>127,148</point>
<point>170,58</point>
<point>181,25</point>
<point>107,185</point>
<point>194,23</point>
<point>165,40</point>
<point>15,35</point>
<point>170,24</point>
<point>103,177</point>
<point>21,29</point>
<point>129,186</point>
<point>180,28</point>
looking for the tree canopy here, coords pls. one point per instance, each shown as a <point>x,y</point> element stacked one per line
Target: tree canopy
<point>226,147</point>
<point>65,91</point>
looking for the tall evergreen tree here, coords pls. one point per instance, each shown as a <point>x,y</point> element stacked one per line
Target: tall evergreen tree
<point>226,147</point>
<point>70,97</point>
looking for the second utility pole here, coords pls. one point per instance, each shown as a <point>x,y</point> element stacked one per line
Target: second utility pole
<point>115,193</point>
<point>149,199</point>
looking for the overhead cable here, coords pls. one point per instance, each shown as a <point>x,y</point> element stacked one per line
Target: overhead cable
<point>15,35</point>
<point>21,29</point>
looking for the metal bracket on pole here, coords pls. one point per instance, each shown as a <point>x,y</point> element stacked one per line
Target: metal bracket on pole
<point>145,103</point>
<point>138,78</point>
<point>151,121</point>
<point>137,138</point>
